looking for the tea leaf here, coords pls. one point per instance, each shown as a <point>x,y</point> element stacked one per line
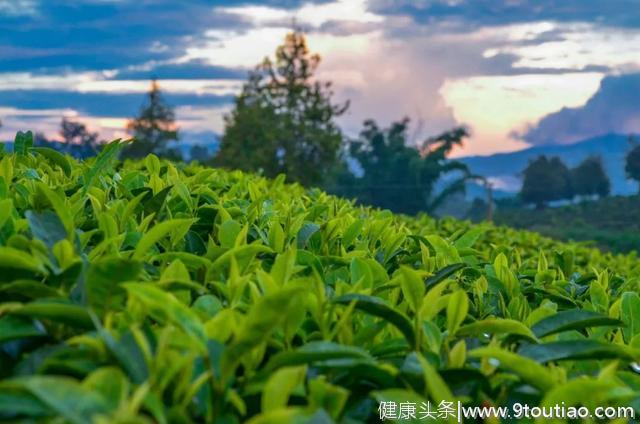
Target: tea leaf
<point>574,319</point>
<point>529,370</point>
<point>457,309</point>
<point>377,307</point>
<point>576,349</point>
<point>496,326</point>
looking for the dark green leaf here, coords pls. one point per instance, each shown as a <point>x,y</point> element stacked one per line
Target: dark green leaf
<point>55,157</point>
<point>443,273</point>
<point>14,328</point>
<point>46,226</point>
<point>379,308</point>
<point>574,319</point>
<point>104,280</point>
<point>102,163</point>
<point>22,143</point>
<point>58,311</point>
<point>314,352</point>
<point>577,349</point>
<point>154,204</point>
<point>305,234</point>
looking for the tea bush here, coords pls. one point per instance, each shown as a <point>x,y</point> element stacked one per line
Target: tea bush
<point>155,292</point>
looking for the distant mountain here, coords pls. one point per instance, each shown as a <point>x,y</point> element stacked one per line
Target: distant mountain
<point>504,168</point>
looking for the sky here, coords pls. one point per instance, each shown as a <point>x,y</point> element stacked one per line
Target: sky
<point>517,73</point>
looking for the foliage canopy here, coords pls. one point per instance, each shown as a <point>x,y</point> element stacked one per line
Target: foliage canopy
<point>398,176</point>
<point>153,292</point>
<point>284,119</point>
<point>153,128</point>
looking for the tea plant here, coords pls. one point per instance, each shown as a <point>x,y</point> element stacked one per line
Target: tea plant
<point>154,292</point>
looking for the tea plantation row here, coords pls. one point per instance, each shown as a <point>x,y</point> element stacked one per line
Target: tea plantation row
<point>156,292</point>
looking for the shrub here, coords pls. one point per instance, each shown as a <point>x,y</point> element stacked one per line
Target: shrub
<point>152,292</point>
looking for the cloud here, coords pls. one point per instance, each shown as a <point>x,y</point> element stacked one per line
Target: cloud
<point>577,46</point>
<point>487,103</point>
<point>390,58</point>
<point>614,108</point>
<point>98,103</point>
<point>478,13</point>
<point>18,8</point>
<point>195,69</point>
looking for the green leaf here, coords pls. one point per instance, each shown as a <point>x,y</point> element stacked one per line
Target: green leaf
<point>69,314</point>
<point>443,273</point>
<point>104,280</point>
<point>154,204</point>
<point>276,237</point>
<point>17,259</point>
<point>111,383</point>
<point>379,308</point>
<point>574,319</point>
<point>412,286</point>
<point>54,157</point>
<point>46,226</point>
<point>22,143</point>
<point>228,233</point>
<point>102,163</point>
<point>496,326</point>
<point>280,385</point>
<point>315,352</point>
<point>17,402</point>
<point>469,238</point>
<point>15,328</point>
<point>630,313</point>
<point>160,231</point>
<point>164,307</point>
<point>352,232</point>
<point>529,370</point>
<point>283,267</point>
<point>361,273</point>
<point>65,396</point>
<point>239,252</point>
<point>436,386</point>
<point>328,397</point>
<point>264,317</point>
<point>576,350</point>
<point>457,309</point>
<point>577,391</point>
<point>6,208</point>
<point>29,288</point>
<point>293,415</point>
<point>444,249</point>
<point>305,234</point>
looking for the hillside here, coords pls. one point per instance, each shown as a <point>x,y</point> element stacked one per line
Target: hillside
<point>153,292</point>
<point>613,223</point>
<point>505,167</point>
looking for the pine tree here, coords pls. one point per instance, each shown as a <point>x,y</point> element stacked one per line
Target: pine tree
<point>154,127</point>
<point>284,119</point>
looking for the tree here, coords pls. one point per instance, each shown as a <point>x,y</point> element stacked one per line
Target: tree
<point>153,128</point>
<point>546,180</point>
<point>632,165</point>
<point>284,120</point>
<point>396,176</point>
<point>589,178</point>
<point>77,138</point>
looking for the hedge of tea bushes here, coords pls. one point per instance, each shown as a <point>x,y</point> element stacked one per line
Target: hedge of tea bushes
<point>168,293</point>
